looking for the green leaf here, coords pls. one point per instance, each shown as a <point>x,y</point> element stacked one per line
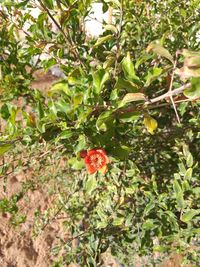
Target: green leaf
<point>41,126</point>
<point>152,75</point>
<point>160,51</point>
<point>4,148</point>
<point>76,164</point>
<point>118,221</point>
<point>22,4</point>
<point>81,144</point>
<point>114,95</point>
<point>150,123</point>
<point>194,91</point>
<point>103,39</point>
<point>63,106</point>
<point>177,187</point>
<point>188,174</point>
<point>189,215</point>
<point>101,214</point>
<point>110,27</point>
<point>49,3</point>
<point>99,79</point>
<point>103,119</point>
<point>126,85</point>
<point>120,152</point>
<point>77,99</point>
<point>48,63</point>
<point>40,110</point>
<point>182,169</point>
<point>5,113</point>
<point>158,248</point>
<point>60,87</point>
<point>148,225</point>
<point>189,160</point>
<point>131,97</point>
<point>149,207</point>
<point>180,201</point>
<point>196,190</point>
<point>185,149</point>
<point>75,77</point>
<point>41,19</point>
<point>91,184</point>
<point>65,134</point>
<point>142,59</point>
<point>129,117</point>
<point>114,2</point>
<point>185,184</point>
<point>128,68</point>
<point>82,117</point>
<point>178,194</point>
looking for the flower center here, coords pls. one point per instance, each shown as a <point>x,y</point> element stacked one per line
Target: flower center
<point>97,161</point>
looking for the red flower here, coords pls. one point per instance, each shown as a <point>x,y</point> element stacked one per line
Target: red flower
<point>95,160</point>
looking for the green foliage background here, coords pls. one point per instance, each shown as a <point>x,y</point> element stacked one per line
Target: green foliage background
<point>148,201</point>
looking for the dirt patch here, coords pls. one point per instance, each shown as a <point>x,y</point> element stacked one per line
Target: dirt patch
<point>43,81</point>
<point>18,246</point>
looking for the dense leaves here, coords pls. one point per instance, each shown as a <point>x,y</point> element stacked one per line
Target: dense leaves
<point>134,92</point>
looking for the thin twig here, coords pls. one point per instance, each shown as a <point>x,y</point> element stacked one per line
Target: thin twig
<point>50,151</point>
<point>176,102</point>
<point>51,219</point>
<point>170,88</point>
<point>89,16</point>
<point>78,235</point>
<point>119,36</point>
<point>67,38</point>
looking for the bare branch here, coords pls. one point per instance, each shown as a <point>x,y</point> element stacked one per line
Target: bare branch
<point>154,100</point>
<point>168,94</point>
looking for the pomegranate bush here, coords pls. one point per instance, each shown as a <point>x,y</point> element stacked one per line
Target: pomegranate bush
<point>124,118</point>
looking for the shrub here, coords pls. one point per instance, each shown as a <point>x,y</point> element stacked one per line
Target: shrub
<point>133,92</point>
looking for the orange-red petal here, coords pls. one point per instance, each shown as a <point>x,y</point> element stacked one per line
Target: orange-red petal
<point>104,169</point>
<point>91,169</point>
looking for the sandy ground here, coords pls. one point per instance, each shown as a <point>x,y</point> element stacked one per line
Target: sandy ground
<point>18,246</point>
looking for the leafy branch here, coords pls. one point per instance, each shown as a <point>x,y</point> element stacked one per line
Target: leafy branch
<point>119,36</point>
<point>67,38</point>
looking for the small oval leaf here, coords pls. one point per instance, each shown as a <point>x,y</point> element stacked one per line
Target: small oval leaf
<point>131,97</point>
<point>150,123</point>
<point>188,216</point>
<point>103,39</point>
<point>160,51</point>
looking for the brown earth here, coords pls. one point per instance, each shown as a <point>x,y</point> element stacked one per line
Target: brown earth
<point>18,246</point>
